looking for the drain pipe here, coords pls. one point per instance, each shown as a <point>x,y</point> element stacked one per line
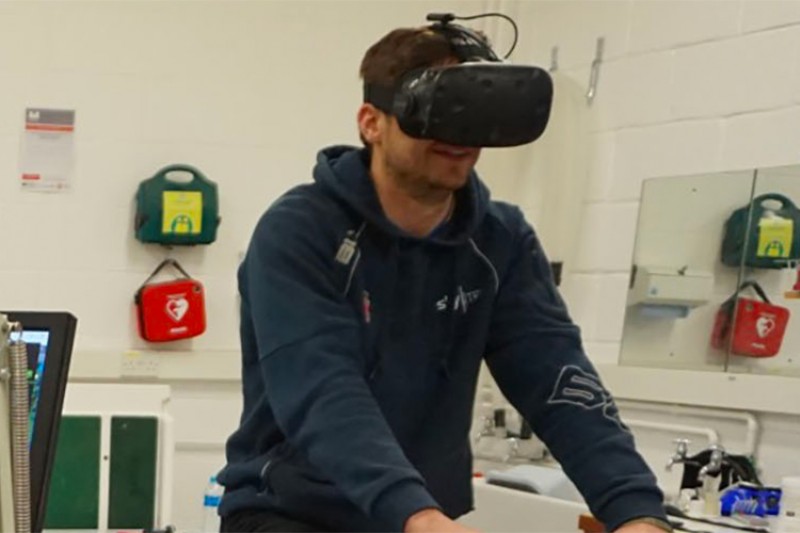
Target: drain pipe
<point>749,419</point>
<point>680,429</point>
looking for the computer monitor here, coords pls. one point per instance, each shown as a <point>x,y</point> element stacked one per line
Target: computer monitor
<point>48,337</point>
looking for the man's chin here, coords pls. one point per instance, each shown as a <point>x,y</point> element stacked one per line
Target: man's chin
<point>452,182</point>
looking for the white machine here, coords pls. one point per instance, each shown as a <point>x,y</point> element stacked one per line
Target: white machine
<point>15,514</point>
<point>676,290</point>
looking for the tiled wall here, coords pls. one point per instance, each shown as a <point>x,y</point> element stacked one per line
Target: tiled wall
<point>685,87</point>
<point>245,91</point>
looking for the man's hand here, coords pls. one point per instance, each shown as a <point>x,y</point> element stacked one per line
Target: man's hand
<point>434,521</point>
<point>639,527</point>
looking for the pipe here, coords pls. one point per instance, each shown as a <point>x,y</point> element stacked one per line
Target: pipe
<point>753,427</point>
<point>708,433</point>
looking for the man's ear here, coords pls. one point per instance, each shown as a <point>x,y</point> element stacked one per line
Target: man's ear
<point>369,123</point>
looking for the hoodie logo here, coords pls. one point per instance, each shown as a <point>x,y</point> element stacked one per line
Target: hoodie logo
<point>461,300</point>
<point>579,388</point>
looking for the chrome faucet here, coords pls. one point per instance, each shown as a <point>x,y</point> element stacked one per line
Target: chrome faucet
<point>487,429</point>
<point>714,465</point>
<point>513,449</point>
<point>681,452</point>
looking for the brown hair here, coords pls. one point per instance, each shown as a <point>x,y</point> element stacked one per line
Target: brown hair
<point>401,51</point>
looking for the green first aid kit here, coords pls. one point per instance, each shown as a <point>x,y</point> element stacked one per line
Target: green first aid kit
<point>177,212</point>
<point>770,238</point>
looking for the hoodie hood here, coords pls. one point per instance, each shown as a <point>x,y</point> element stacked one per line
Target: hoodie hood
<point>343,171</point>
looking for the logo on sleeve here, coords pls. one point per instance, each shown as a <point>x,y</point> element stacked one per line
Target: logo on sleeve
<point>582,389</point>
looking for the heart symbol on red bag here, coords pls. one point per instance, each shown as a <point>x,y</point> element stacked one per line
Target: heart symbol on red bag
<point>177,308</point>
<point>764,325</point>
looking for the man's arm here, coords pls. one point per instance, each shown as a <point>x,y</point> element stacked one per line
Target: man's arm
<point>312,364</point>
<point>536,356</point>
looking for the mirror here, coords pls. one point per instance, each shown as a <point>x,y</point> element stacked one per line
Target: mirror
<point>772,260</point>
<point>699,238</point>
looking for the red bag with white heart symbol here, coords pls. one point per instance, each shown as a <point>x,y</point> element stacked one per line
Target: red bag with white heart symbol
<point>754,328</point>
<point>171,310</point>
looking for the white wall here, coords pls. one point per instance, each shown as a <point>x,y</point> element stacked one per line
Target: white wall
<point>685,88</point>
<point>249,91</point>
<point>245,91</point>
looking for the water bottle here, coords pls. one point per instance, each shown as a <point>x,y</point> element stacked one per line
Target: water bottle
<point>211,499</point>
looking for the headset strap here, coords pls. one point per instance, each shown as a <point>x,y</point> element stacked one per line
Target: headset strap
<point>380,96</point>
<point>466,44</point>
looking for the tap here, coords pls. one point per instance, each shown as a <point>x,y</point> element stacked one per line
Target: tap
<point>487,429</point>
<point>513,450</point>
<point>714,465</point>
<point>681,451</point>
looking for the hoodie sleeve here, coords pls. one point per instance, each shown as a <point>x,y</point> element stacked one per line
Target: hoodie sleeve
<point>536,356</point>
<point>310,356</point>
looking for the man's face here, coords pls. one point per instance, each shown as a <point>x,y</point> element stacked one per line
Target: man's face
<point>418,165</point>
<point>422,162</point>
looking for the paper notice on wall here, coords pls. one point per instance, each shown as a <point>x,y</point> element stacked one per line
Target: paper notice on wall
<point>47,158</point>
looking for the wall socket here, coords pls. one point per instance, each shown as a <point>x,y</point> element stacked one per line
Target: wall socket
<point>139,365</point>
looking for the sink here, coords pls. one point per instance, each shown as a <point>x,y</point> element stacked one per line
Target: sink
<point>509,510</point>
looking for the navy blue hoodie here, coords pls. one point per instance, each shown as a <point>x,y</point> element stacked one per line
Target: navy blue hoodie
<point>361,349</point>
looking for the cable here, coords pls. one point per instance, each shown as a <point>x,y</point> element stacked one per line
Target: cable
<point>501,15</point>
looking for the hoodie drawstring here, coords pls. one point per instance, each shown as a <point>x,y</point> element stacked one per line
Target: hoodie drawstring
<point>460,303</point>
<point>451,319</point>
<point>453,308</point>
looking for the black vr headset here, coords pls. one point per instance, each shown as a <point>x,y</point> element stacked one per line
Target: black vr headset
<point>479,102</point>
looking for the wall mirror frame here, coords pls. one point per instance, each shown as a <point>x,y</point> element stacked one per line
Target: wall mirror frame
<point>713,306</point>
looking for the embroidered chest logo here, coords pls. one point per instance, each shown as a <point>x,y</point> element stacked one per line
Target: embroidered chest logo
<point>582,389</point>
<point>461,300</point>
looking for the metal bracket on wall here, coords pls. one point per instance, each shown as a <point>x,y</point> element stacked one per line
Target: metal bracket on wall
<point>595,72</point>
<point>554,59</point>
<point>557,267</point>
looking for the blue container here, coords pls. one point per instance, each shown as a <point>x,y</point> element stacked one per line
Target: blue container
<point>750,499</point>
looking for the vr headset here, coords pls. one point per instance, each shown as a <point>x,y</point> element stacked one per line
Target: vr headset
<point>481,101</point>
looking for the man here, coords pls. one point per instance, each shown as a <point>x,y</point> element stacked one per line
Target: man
<point>369,300</point>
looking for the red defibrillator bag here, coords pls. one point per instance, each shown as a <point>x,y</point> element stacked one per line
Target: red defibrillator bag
<point>759,325</point>
<point>171,310</point>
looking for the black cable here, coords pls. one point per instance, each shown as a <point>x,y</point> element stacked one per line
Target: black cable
<point>506,17</point>
<point>747,473</point>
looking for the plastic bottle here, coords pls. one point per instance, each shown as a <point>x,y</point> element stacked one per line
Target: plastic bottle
<point>211,499</point>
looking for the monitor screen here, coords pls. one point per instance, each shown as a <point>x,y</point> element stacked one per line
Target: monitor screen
<point>48,337</point>
<point>36,346</point>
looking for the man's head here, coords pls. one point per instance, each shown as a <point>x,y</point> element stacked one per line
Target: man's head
<point>419,165</point>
